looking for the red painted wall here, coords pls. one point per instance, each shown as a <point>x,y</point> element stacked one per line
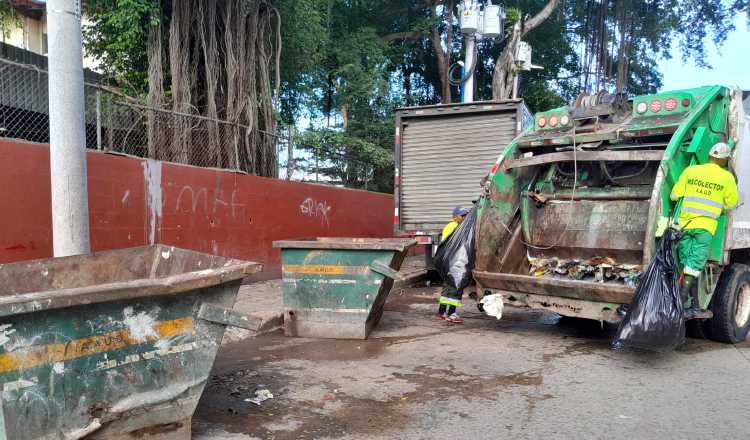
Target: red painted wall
<point>213,211</point>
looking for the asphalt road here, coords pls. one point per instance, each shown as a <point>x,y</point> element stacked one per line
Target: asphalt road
<point>527,376</point>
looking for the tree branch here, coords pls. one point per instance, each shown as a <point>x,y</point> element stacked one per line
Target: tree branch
<point>408,35</point>
<point>534,22</point>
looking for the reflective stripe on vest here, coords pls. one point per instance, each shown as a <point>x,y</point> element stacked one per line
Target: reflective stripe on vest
<point>704,201</point>
<point>702,212</point>
<point>449,301</point>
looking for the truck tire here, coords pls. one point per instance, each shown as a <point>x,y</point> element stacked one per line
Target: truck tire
<point>731,305</point>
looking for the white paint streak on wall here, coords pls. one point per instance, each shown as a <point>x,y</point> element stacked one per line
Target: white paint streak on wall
<point>5,332</point>
<point>58,367</point>
<point>154,198</point>
<point>141,326</point>
<point>125,197</point>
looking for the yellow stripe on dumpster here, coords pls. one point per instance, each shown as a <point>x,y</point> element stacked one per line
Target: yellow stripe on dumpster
<point>319,269</point>
<point>47,354</point>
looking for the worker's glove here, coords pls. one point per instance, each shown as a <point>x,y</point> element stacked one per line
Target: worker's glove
<point>661,226</point>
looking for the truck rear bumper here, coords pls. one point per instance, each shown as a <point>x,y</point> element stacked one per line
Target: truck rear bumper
<point>582,299</point>
<point>576,308</point>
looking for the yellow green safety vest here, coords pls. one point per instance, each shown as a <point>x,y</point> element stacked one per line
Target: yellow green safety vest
<point>448,230</point>
<point>706,191</point>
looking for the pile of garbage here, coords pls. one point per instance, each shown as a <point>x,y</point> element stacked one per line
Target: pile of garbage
<point>599,269</point>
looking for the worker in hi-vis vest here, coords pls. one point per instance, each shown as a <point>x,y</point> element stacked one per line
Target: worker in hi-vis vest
<point>706,192</point>
<point>450,298</point>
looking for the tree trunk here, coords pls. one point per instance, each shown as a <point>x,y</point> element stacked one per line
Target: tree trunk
<point>443,56</point>
<point>505,67</point>
<point>621,54</point>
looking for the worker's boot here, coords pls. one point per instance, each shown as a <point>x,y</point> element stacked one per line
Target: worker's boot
<point>685,291</point>
<point>695,312</point>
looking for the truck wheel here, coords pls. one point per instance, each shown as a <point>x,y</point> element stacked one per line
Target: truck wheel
<point>731,305</point>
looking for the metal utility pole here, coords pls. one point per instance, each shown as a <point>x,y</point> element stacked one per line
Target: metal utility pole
<point>476,22</point>
<point>468,90</point>
<point>70,211</point>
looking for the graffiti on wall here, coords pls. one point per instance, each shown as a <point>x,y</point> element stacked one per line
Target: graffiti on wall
<point>317,209</point>
<point>195,200</point>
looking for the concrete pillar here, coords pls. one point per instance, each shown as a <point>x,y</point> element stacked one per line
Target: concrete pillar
<point>469,68</point>
<point>70,212</point>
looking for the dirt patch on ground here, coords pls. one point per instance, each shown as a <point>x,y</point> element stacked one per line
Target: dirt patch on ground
<point>306,406</point>
<point>403,300</point>
<point>334,414</point>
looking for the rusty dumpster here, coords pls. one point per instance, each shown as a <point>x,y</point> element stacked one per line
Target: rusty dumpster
<point>337,287</point>
<point>113,345</point>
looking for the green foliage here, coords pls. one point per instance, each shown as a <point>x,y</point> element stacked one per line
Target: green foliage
<point>539,97</point>
<point>698,21</point>
<point>343,74</point>
<point>512,16</point>
<point>9,19</point>
<point>349,90</point>
<point>351,161</point>
<point>117,37</point>
<point>305,37</point>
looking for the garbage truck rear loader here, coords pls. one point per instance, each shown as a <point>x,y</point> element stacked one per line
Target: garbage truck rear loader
<point>571,208</point>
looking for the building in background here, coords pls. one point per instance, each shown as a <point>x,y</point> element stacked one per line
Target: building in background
<point>29,30</point>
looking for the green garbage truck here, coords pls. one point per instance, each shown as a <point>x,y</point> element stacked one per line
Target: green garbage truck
<point>571,209</point>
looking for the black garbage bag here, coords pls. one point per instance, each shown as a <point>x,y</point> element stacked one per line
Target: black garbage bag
<point>655,319</point>
<point>454,259</point>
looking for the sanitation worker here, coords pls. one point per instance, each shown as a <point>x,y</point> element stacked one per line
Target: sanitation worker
<point>450,298</point>
<point>706,192</point>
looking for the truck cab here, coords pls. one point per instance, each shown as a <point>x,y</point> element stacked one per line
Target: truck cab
<point>572,207</point>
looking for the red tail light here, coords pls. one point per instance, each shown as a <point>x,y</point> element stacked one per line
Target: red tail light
<point>553,121</point>
<point>655,105</point>
<point>395,220</point>
<point>542,122</point>
<point>397,180</point>
<point>494,168</point>
<point>686,102</point>
<point>670,104</point>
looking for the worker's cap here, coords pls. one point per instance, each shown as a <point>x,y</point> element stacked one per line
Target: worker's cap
<point>459,211</point>
<point>720,151</point>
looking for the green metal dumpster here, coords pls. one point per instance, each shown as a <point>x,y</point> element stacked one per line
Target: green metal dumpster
<point>113,345</point>
<point>337,287</point>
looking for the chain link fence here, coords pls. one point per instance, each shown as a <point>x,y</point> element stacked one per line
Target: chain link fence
<point>118,123</point>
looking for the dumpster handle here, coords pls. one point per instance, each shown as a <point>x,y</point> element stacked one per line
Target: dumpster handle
<point>387,271</point>
<point>228,317</point>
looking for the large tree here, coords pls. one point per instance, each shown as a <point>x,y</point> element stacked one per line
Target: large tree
<point>346,64</point>
<point>217,59</point>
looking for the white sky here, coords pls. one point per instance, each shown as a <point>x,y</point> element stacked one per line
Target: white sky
<point>731,63</point>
